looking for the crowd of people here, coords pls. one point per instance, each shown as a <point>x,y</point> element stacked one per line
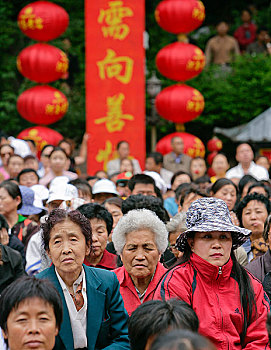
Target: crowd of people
<point>165,257</point>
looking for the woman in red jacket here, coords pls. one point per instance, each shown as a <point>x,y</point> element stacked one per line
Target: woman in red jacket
<point>229,302</point>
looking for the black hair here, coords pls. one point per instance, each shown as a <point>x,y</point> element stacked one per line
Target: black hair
<point>252,197</point>
<point>243,181</point>
<point>115,201</point>
<point>180,189</point>
<point>156,317</point>
<point>120,143</point>
<point>221,183</point>
<point>12,189</point>
<point>266,229</point>
<point>46,146</point>
<point>180,172</point>
<point>59,215</point>
<point>7,144</point>
<point>97,211</point>
<point>82,185</point>
<point>140,179</point>
<point>3,223</point>
<point>91,178</point>
<point>32,141</point>
<point>202,180</point>
<point>139,201</point>
<point>26,171</point>
<point>260,184</point>
<point>25,288</point>
<point>259,30</point>
<point>181,339</point>
<point>157,157</point>
<point>58,149</point>
<point>191,189</point>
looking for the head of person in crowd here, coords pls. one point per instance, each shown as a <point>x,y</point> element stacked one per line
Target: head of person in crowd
<point>113,205</point>
<point>246,16</point>
<point>58,193</point>
<point>159,182</point>
<point>15,165</point>
<point>91,180</point>
<point>68,145</point>
<point>156,317</point>
<point>84,189</point>
<point>140,201</point>
<point>154,162</point>
<point>203,182</point>
<point>122,184</point>
<point>222,28</point>
<point>113,177</point>
<point>4,228</point>
<point>259,187</point>
<point>263,38</point>
<point>10,201</point>
<point>123,149</point>
<point>244,155</point>
<point>263,161</point>
<point>245,182</point>
<point>226,190</point>
<point>31,314</point>
<point>177,145</point>
<point>44,156</point>
<point>142,184</point>
<point>28,177</point>
<point>126,164</point>
<point>182,339</point>
<point>31,162</point>
<point>175,227</point>
<point>6,151</point>
<point>198,167</point>
<point>101,174</point>
<point>58,161</point>
<point>103,189</point>
<point>32,145</point>
<point>220,165</point>
<point>180,177</point>
<point>28,209</point>
<point>101,222</point>
<point>252,213</point>
<point>187,195</point>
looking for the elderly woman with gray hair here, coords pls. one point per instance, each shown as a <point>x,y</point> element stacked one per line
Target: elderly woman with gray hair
<point>140,238</point>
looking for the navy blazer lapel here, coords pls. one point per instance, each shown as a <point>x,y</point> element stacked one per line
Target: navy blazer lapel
<point>65,330</point>
<point>95,308</point>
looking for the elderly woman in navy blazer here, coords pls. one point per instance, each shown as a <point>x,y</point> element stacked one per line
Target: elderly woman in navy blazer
<point>94,316</point>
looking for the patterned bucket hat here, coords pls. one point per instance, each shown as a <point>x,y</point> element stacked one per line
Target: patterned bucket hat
<point>207,215</point>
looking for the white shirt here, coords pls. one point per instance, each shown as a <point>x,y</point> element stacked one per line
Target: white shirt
<point>78,319</point>
<point>257,171</point>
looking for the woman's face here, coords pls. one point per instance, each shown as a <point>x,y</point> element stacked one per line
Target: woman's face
<point>44,158</point>
<point>140,255</point>
<point>58,161</point>
<point>126,165</point>
<point>67,147</point>
<point>7,203</point>
<point>99,237</point>
<point>263,161</point>
<point>198,168</point>
<point>254,216</point>
<point>6,152</point>
<point>220,164</point>
<point>228,194</point>
<point>32,325</point>
<point>180,179</point>
<point>115,211</point>
<point>67,248</point>
<point>214,247</point>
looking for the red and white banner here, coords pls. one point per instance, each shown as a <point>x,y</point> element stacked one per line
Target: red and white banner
<point>115,82</point>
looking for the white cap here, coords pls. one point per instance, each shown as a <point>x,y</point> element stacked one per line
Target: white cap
<point>41,194</point>
<point>59,181</point>
<point>104,186</point>
<point>64,192</point>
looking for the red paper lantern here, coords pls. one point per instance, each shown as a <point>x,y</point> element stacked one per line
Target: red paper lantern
<point>211,172</point>
<point>42,105</point>
<point>214,144</point>
<point>193,146</point>
<point>180,61</point>
<point>179,103</point>
<point>210,157</point>
<point>43,20</point>
<point>42,63</point>
<point>41,135</point>
<point>180,16</point>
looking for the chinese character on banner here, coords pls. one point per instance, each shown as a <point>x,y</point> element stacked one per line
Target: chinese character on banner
<point>104,155</point>
<point>113,66</point>
<point>113,20</point>
<point>114,120</point>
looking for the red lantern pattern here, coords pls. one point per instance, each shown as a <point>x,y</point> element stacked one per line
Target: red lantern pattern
<point>180,61</point>
<point>43,20</point>
<point>214,144</point>
<point>210,157</point>
<point>41,135</point>
<point>42,63</point>
<point>179,103</point>
<point>193,146</point>
<point>180,16</point>
<point>42,105</point>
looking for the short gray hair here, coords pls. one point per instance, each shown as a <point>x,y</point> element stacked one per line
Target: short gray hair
<point>136,220</point>
<point>177,223</point>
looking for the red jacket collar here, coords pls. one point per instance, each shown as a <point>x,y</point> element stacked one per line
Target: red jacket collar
<point>108,261</point>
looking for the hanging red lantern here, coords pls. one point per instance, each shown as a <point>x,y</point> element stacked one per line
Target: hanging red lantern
<point>177,16</point>
<point>214,144</point>
<point>42,63</point>
<point>211,172</point>
<point>193,146</point>
<point>41,135</point>
<point>180,61</point>
<point>42,105</point>
<point>43,20</point>
<point>179,103</point>
<point>210,157</point>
